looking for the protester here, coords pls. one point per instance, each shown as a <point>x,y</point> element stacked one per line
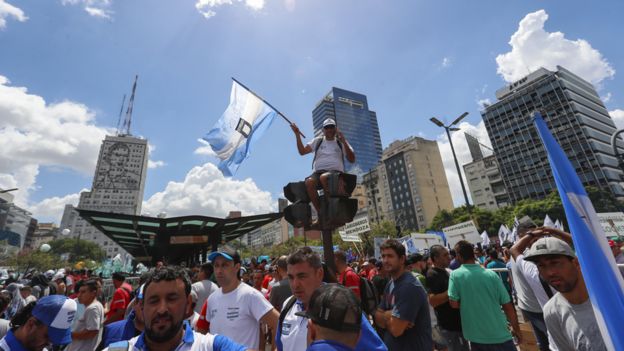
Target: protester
<point>281,291</point>
<point>38,324</point>
<point>258,279</point>
<point>305,274</point>
<point>616,249</point>
<point>493,261</point>
<point>479,293</point>
<point>448,318</point>
<point>88,331</point>
<point>334,319</point>
<point>166,304</point>
<point>235,309</point>
<point>478,252</point>
<point>330,150</point>
<point>347,276</point>
<point>204,287</point>
<point>569,314</point>
<point>4,323</point>
<point>417,265</point>
<point>26,293</point>
<point>133,325</point>
<point>120,300</point>
<point>404,311</point>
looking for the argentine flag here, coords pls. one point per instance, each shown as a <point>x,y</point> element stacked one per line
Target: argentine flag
<point>239,128</point>
<point>604,282</point>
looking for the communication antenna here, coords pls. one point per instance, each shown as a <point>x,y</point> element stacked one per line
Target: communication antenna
<point>128,118</point>
<point>123,101</point>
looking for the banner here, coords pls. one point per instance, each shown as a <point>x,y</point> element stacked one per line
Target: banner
<point>351,231</point>
<point>462,231</point>
<point>612,223</point>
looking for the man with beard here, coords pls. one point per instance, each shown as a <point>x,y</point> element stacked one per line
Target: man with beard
<point>403,312</point>
<point>166,303</point>
<point>569,314</point>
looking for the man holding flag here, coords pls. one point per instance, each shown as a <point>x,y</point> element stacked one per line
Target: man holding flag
<point>330,150</point>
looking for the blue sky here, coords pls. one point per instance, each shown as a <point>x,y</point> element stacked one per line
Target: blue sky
<point>69,62</point>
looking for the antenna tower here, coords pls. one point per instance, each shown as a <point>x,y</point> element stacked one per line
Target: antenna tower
<point>123,101</point>
<point>128,119</point>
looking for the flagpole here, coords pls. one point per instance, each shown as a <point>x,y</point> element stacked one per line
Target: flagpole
<point>266,102</point>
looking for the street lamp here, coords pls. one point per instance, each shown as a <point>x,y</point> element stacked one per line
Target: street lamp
<point>7,190</point>
<point>450,129</point>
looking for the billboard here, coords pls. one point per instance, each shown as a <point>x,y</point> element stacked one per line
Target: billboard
<point>462,231</point>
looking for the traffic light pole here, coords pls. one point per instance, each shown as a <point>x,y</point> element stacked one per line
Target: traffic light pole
<point>328,250</point>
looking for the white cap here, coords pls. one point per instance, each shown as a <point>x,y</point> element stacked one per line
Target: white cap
<point>329,122</point>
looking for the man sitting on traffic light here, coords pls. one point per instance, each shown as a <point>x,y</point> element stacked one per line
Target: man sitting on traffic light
<point>329,154</point>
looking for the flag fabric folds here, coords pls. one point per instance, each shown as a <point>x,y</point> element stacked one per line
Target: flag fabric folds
<point>485,239</point>
<point>244,121</point>
<point>548,223</point>
<point>604,282</point>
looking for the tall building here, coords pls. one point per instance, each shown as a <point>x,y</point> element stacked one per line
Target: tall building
<point>118,186</point>
<point>409,185</point>
<point>576,117</point>
<point>44,233</point>
<point>356,122</point>
<point>16,224</point>
<point>486,185</point>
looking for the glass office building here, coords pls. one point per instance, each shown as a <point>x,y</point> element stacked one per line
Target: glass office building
<point>577,118</point>
<point>357,123</point>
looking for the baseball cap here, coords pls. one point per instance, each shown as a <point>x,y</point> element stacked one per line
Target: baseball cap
<point>227,253</point>
<point>57,313</point>
<point>413,258</point>
<point>549,246</point>
<point>335,307</point>
<point>329,122</point>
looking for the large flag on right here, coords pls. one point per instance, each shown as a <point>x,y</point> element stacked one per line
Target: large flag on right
<point>603,280</point>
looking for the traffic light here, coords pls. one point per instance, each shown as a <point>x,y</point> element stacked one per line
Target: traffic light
<point>299,213</point>
<point>337,208</point>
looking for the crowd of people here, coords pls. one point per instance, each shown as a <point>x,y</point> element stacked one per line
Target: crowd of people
<point>442,300</point>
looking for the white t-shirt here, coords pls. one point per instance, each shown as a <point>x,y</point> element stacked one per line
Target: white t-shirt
<point>328,156</point>
<point>92,319</point>
<point>4,327</point>
<point>203,289</point>
<point>294,333</point>
<point>237,314</point>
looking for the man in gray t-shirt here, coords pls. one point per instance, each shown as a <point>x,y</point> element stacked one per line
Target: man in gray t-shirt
<point>88,331</point>
<point>204,287</point>
<point>569,315</point>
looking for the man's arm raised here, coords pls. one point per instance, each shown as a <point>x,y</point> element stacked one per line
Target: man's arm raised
<point>303,149</point>
<point>348,149</point>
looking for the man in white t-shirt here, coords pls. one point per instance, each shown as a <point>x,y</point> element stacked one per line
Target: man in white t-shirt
<point>204,287</point>
<point>329,153</point>
<point>236,309</point>
<point>88,331</point>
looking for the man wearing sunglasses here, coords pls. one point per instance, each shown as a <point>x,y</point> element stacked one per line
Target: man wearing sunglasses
<point>41,324</point>
<point>330,150</point>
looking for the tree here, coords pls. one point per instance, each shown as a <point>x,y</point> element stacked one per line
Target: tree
<point>383,229</point>
<point>37,260</point>
<point>78,250</point>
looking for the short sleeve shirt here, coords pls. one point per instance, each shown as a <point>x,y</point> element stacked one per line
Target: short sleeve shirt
<point>351,280</point>
<point>407,299</point>
<point>480,293</point>
<point>121,299</point>
<point>237,314</point>
<point>203,289</point>
<point>328,156</point>
<point>91,319</point>
<point>437,283</point>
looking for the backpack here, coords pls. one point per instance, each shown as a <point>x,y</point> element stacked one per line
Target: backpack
<point>369,298</point>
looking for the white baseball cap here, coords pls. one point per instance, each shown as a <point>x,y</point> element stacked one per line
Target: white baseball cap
<point>329,122</point>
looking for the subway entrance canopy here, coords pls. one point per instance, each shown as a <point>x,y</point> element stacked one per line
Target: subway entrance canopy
<point>175,239</point>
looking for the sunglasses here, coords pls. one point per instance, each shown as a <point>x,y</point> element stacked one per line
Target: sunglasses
<point>329,127</point>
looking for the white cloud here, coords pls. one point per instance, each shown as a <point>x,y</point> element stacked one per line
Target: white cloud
<point>95,8</point>
<point>483,103</point>
<point>463,156</point>
<point>532,47</point>
<point>618,118</point>
<point>205,149</point>
<point>207,7</point>
<point>8,10</point>
<point>446,62</point>
<point>34,133</point>
<point>206,191</point>
<point>155,164</point>
<point>52,208</point>
<point>606,98</point>
<point>290,5</point>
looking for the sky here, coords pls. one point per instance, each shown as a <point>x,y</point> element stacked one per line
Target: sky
<point>66,64</point>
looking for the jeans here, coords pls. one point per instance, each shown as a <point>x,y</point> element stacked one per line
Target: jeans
<point>506,346</point>
<point>454,340</point>
<point>539,328</point>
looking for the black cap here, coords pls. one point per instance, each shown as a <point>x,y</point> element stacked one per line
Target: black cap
<point>334,307</point>
<point>413,258</point>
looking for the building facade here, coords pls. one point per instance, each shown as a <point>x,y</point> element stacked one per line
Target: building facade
<point>357,123</point>
<point>577,118</point>
<point>409,186</point>
<point>118,186</point>
<point>16,224</point>
<point>43,234</point>
<point>486,185</point>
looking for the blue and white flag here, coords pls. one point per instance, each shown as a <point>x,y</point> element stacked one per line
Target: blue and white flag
<point>604,282</point>
<point>239,128</point>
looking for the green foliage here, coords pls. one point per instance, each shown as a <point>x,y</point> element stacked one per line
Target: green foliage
<point>383,229</point>
<point>78,250</point>
<point>37,260</point>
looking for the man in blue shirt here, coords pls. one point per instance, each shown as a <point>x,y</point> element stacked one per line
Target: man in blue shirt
<point>334,319</point>
<point>128,328</point>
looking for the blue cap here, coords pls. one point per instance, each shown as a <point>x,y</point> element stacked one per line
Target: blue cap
<point>214,255</point>
<point>57,313</point>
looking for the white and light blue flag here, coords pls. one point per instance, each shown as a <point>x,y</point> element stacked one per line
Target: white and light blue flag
<point>239,128</point>
<point>604,282</point>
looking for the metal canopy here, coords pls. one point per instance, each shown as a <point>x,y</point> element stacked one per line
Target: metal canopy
<point>175,239</point>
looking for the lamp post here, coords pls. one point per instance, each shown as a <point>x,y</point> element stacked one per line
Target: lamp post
<point>450,129</point>
<point>7,190</point>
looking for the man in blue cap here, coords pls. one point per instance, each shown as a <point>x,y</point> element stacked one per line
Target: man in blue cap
<point>128,328</point>
<point>41,323</point>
